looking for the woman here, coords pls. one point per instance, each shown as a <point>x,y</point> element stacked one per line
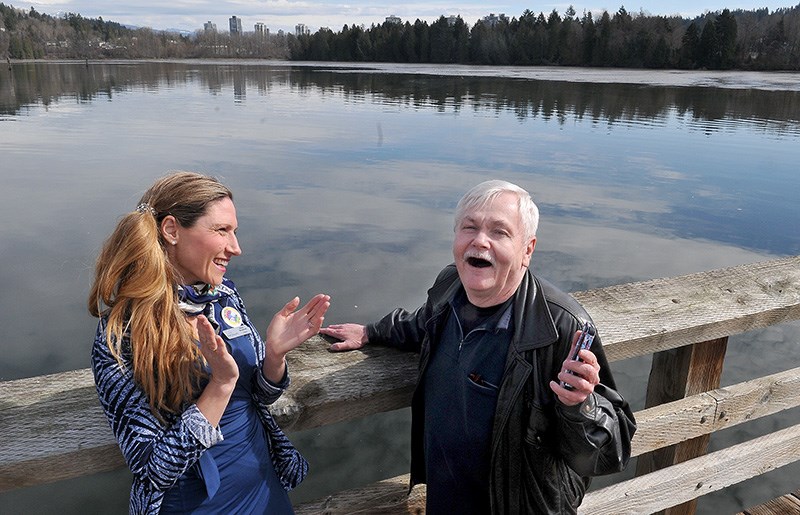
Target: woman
<point>182,374</point>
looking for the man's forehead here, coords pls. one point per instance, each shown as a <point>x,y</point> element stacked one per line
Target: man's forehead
<point>494,212</point>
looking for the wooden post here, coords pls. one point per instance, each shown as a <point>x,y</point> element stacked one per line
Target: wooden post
<point>676,374</point>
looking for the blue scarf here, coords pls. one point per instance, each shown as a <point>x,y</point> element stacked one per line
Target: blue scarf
<point>199,299</point>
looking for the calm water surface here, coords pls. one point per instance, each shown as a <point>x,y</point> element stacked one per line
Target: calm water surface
<point>345,181</point>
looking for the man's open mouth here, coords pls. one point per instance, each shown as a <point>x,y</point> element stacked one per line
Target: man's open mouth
<point>478,262</point>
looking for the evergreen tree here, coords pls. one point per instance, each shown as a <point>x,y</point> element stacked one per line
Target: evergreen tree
<point>589,38</point>
<point>726,39</point>
<point>690,49</point>
<point>708,56</point>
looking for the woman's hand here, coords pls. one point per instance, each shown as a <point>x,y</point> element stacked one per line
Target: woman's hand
<point>353,336</point>
<point>224,371</point>
<point>289,328</point>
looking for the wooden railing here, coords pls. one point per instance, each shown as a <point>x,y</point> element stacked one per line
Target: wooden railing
<point>52,428</point>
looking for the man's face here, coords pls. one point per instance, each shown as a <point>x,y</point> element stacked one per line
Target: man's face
<point>491,251</point>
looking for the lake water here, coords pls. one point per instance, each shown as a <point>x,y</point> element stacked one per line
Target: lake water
<point>345,178</point>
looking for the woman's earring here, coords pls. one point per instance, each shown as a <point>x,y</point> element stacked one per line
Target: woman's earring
<point>174,242</point>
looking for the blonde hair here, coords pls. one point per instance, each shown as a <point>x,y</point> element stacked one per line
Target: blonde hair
<point>136,283</point>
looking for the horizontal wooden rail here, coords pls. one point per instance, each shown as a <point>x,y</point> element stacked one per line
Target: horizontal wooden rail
<point>783,505</point>
<point>646,494</point>
<point>658,427</point>
<point>678,421</point>
<point>642,318</point>
<point>390,496</point>
<point>691,479</point>
<point>53,428</point>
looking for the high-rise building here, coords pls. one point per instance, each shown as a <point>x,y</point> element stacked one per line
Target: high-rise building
<point>300,29</point>
<point>492,20</point>
<point>235,25</point>
<point>394,20</point>
<point>210,27</point>
<point>261,30</point>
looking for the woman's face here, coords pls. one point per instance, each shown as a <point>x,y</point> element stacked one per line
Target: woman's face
<point>201,253</point>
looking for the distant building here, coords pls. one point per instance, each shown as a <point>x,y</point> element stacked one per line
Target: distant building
<point>261,30</point>
<point>209,27</point>
<point>451,20</point>
<point>493,19</point>
<point>301,30</point>
<point>235,26</point>
<point>394,20</point>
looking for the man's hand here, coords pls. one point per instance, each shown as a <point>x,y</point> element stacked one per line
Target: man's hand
<point>353,336</point>
<point>585,375</point>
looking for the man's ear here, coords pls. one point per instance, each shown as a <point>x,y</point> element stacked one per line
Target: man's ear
<point>526,260</point>
<point>169,229</point>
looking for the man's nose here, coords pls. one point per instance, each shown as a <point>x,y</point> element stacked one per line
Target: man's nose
<point>481,239</point>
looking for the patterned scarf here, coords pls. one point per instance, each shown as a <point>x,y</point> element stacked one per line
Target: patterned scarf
<point>199,299</point>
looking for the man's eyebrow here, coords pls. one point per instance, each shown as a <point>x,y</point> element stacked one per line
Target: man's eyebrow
<point>502,222</point>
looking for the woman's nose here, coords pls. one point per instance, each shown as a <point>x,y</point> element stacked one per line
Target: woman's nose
<point>233,246</point>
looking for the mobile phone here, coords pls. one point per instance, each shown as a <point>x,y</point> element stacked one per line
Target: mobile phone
<point>585,340</point>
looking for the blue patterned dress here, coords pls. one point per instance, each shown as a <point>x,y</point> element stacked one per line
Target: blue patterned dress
<point>185,465</point>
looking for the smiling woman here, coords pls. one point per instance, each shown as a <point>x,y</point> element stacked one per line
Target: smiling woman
<point>201,252</point>
<point>182,374</point>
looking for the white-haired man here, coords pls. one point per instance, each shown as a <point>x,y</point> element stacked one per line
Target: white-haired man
<point>494,428</point>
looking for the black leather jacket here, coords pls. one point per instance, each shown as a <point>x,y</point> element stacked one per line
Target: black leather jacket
<point>543,452</point>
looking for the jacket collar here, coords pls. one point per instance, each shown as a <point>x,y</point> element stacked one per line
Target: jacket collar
<point>535,328</point>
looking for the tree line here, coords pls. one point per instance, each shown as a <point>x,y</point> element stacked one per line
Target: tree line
<point>34,35</point>
<point>757,40</point>
<point>739,39</point>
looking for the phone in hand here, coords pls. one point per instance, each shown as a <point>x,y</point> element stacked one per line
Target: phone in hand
<point>585,340</point>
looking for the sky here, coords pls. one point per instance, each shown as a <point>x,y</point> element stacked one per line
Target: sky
<point>190,15</point>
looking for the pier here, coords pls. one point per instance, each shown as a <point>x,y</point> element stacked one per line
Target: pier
<point>52,426</point>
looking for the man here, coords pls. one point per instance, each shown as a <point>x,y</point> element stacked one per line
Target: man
<point>493,428</point>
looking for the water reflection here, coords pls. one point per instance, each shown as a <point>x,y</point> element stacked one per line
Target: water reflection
<point>607,103</point>
<point>346,181</point>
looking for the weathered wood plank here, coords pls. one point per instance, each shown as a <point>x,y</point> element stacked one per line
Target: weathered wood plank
<point>646,494</point>
<point>677,374</point>
<point>387,497</point>
<point>694,478</point>
<point>788,504</point>
<point>659,426</point>
<point>53,429</point>
<point>332,387</point>
<point>702,414</point>
<point>641,318</point>
<point>58,415</point>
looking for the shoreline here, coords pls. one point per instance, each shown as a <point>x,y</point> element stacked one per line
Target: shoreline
<point>728,79</point>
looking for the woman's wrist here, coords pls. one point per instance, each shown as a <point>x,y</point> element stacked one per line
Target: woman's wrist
<point>214,399</point>
<point>274,367</point>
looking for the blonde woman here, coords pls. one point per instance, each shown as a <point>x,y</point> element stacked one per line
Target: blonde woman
<point>183,375</point>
